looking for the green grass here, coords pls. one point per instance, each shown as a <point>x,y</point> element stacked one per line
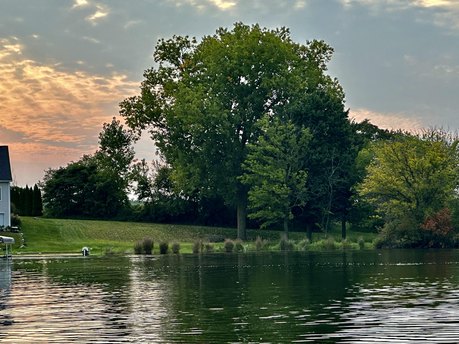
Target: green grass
<point>43,235</point>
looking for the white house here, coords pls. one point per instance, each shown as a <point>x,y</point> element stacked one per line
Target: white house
<point>5,180</point>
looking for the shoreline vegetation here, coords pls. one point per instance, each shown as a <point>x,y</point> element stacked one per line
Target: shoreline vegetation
<point>63,236</point>
<point>250,131</point>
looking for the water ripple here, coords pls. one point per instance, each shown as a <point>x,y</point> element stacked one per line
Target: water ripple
<point>300,298</point>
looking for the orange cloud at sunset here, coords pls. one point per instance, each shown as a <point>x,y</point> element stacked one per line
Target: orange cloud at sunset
<point>387,120</point>
<point>48,115</point>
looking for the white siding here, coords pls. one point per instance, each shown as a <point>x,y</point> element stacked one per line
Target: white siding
<point>5,207</point>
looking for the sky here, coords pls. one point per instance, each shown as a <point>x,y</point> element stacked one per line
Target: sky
<point>65,65</point>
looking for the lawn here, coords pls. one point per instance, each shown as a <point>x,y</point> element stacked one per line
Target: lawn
<point>44,235</point>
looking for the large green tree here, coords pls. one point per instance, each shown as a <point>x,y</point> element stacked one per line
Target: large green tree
<point>412,178</point>
<point>275,172</point>
<point>202,101</point>
<point>97,185</point>
<point>115,155</point>
<point>82,189</point>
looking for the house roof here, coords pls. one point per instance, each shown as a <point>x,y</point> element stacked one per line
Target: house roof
<point>5,167</point>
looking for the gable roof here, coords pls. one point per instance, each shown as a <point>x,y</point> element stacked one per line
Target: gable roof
<point>5,167</point>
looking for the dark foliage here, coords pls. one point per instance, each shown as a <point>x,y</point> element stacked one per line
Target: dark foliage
<point>27,201</point>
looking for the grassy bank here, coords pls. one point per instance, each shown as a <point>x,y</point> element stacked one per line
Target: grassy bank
<point>69,236</point>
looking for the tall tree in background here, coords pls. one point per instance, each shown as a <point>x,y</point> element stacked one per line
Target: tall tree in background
<point>412,179</point>
<point>116,154</point>
<point>81,189</point>
<point>202,102</point>
<point>37,203</point>
<point>331,152</point>
<point>275,172</point>
<point>97,185</point>
<point>27,201</point>
<point>362,215</point>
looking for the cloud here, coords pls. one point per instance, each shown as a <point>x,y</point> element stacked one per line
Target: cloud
<point>436,3</point>
<point>51,110</point>
<point>91,39</point>
<point>387,120</point>
<point>30,160</point>
<point>403,3</point>
<point>10,46</point>
<point>101,12</point>
<point>300,4</point>
<point>222,5</point>
<point>80,3</point>
<point>132,23</point>
<point>442,13</point>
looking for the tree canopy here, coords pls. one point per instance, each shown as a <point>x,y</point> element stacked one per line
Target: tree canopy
<point>275,172</point>
<point>202,102</point>
<point>411,179</point>
<point>97,185</point>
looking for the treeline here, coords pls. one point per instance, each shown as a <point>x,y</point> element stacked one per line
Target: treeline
<point>250,130</point>
<point>26,201</point>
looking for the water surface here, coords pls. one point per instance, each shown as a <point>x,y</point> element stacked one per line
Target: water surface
<point>397,296</point>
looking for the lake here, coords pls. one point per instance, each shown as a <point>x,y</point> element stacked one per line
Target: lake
<point>396,296</point>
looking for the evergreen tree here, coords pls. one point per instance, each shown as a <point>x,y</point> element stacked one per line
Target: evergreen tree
<point>37,204</point>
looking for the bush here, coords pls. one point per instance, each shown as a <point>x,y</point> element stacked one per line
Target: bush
<point>238,245</point>
<point>163,247</point>
<point>175,248</point>
<point>147,245</point>
<point>346,245</point>
<point>399,233</point>
<point>229,245</point>
<point>304,244</point>
<point>438,229</point>
<point>329,244</point>
<point>16,220</point>
<point>285,244</point>
<point>197,246</point>
<point>138,247</point>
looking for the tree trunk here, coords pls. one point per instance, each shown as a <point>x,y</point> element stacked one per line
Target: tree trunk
<point>286,227</point>
<point>241,220</point>
<point>309,231</point>
<point>343,228</point>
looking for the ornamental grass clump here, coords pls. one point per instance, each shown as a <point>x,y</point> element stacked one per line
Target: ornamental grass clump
<point>175,248</point>
<point>303,245</point>
<point>144,246</point>
<point>197,247</point>
<point>138,247</point>
<point>229,246</point>
<point>238,245</point>
<point>163,247</point>
<point>346,245</point>
<point>361,243</point>
<point>285,244</point>
<point>147,246</point>
<point>260,244</point>
<point>329,244</point>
